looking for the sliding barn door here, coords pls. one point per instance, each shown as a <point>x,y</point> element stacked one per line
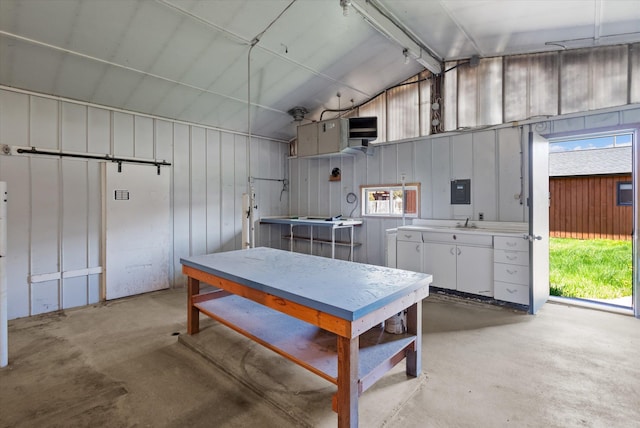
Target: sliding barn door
<point>136,232</point>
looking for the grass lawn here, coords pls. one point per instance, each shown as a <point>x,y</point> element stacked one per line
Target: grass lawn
<point>591,269</point>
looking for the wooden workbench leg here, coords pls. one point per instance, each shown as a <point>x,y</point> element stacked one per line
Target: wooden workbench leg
<point>414,326</point>
<point>193,314</point>
<point>347,382</point>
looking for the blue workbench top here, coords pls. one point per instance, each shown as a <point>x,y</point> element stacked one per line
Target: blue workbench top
<point>345,289</point>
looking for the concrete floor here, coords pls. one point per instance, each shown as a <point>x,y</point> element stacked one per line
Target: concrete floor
<point>120,364</point>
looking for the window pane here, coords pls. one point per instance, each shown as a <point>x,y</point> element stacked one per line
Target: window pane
<point>625,193</point>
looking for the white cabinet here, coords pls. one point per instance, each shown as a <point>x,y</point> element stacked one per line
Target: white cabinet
<point>511,269</point>
<point>475,270</point>
<point>409,250</point>
<point>462,262</point>
<point>440,261</point>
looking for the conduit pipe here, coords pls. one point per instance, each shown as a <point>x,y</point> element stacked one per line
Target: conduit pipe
<point>4,332</point>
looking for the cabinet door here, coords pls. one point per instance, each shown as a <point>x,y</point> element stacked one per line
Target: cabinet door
<point>440,261</point>
<point>475,270</point>
<point>409,255</point>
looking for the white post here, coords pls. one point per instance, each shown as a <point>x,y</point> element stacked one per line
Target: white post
<point>4,331</point>
<point>245,221</point>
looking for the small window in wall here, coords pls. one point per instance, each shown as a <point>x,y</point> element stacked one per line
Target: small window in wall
<point>625,193</point>
<point>391,201</point>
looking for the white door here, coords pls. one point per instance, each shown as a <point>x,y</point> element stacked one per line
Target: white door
<point>538,221</point>
<point>136,232</point>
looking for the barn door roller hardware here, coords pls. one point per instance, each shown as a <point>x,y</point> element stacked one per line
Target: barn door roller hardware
<point>34,151</point>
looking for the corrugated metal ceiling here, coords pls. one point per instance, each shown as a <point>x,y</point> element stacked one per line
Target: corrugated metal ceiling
<point>188,59</point>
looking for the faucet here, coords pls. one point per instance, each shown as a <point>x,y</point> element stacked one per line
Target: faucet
<point>466,223</point>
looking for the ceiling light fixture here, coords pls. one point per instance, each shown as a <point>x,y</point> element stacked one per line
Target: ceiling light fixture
<point>405,52</point>
<point>345,7</point>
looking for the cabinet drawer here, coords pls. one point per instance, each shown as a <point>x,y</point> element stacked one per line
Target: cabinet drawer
<point>511,273</point>
<point>479,239</point>
<point>514,293</point>
<point>409,236</point>
<point>520,258</point>
<point>516,243</point>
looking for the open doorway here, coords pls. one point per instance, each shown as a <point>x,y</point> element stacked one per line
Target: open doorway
<point>591,218</point>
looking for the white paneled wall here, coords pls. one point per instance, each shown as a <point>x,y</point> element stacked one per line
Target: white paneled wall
<point>54,209</point>
<point>494,160</point>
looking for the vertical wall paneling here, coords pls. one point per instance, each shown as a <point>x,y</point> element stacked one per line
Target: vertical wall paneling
<point>181,201</point>
<point>143,137</point>
<point>214,194</point>
<point>441,176</point>
<point>424,110</point>
<point>634,77</point>
<point>423,170</point>
<point>43,123</point>
<point>98,130</point>
<point>74,231</point>
<point>389,164</point>
<point>198,186</point>
<point>45,233</point>
<point>449,106</point>
<point>462,168</point>
<point>612,62</point>
<point>467,91</point>
<point>123,134</point>
<point>516,87</point>
<point>74,127</point>
<point>509,175</point>
<point>483,182</point>
<point>45,228</point>
<point>94,229</point>
<point>575,77</point>
<point>241,185</point>
<point>163,132</point>
<point>15,171</point>
<point>228,181</point>
<point>489,110</point>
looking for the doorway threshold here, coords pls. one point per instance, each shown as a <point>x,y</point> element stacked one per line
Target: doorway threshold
<point>593,304</point>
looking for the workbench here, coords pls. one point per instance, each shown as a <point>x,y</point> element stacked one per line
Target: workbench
<point>323,314</point>
<point>312,222</point>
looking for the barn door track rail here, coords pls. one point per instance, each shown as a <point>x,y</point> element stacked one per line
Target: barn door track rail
<point>34,151</point>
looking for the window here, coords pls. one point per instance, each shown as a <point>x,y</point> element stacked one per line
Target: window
<point>389,200</point>
<point>625,193</point>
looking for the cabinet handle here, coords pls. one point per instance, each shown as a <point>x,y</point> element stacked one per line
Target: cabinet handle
<point>459,251</point>
<point>451,251</point>
<point>512,257</point>
<point>511,244</point>
<point>511,272</point>
<point>418,248</point>
<point>408,236</point>
<point>511,291</point>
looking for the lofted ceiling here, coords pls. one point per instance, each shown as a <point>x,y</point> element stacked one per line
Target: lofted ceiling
<point>201,61</point>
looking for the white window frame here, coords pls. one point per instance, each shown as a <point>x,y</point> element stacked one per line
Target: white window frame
<point>370,209</point>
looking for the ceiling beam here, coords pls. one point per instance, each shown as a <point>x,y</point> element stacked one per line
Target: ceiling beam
<point>393,31</point>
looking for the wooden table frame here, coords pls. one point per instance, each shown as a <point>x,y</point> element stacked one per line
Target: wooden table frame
<point>381,352</point>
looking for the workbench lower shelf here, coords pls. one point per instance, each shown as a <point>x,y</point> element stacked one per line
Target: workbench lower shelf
<point>322,241</point>
<point>305,344</point>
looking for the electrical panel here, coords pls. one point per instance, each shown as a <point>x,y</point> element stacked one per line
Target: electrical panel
<point>461,192</point>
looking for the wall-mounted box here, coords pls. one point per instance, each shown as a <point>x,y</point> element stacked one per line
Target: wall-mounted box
<point>336,136</point>
<point>461,192</point>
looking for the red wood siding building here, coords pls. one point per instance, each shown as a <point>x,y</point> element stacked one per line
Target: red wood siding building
<point>584,187</point>
<point>586,207</point>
